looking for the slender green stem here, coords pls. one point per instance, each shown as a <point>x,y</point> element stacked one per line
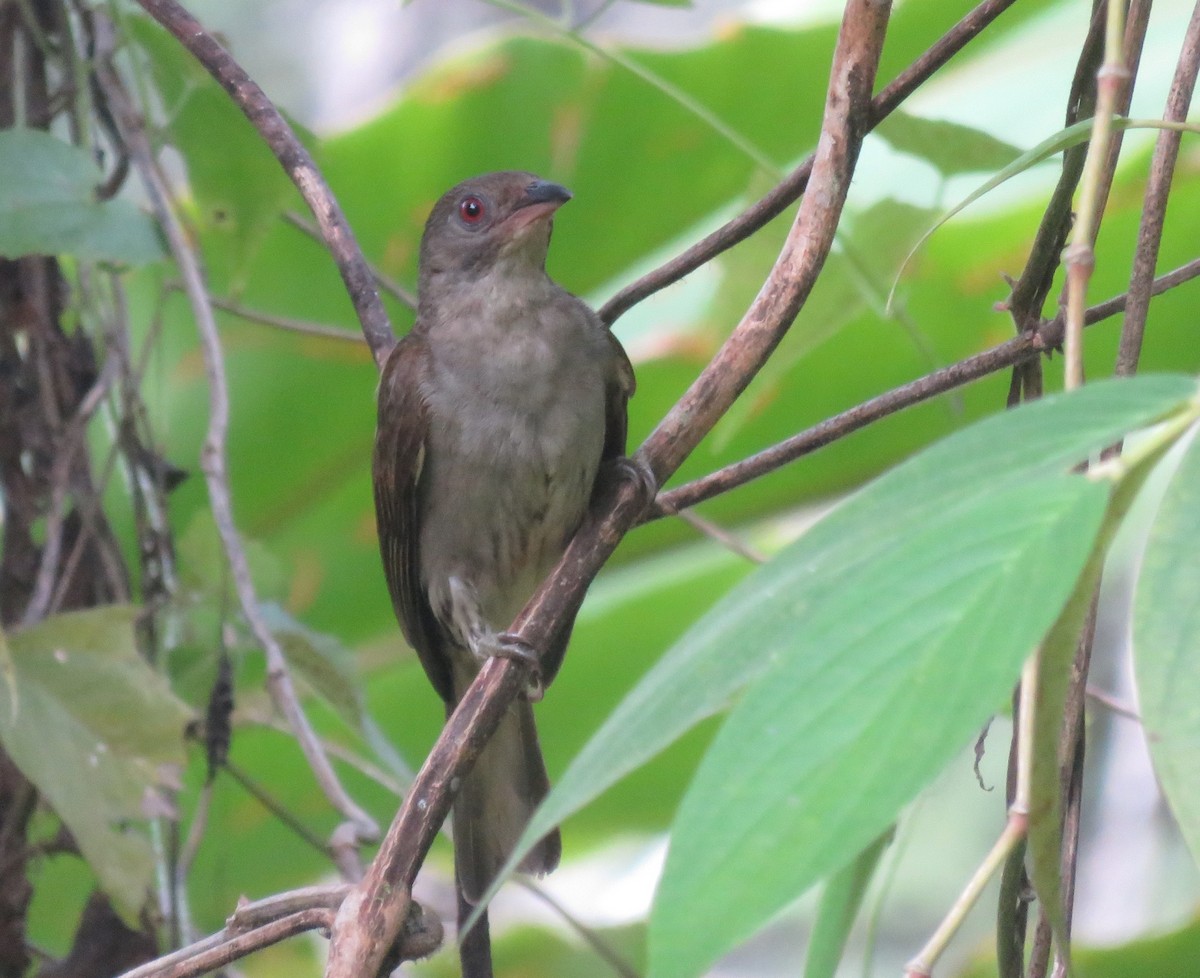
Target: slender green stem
<point>672,91</point>
<point>1079,254</point>
<point>922,965</point>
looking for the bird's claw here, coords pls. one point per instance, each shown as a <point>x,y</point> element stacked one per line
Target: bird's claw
<point>510,646</point>
<point>632,470</point>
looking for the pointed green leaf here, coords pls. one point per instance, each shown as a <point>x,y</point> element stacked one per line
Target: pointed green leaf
<point>48,205</point>
<point>881,678</point>
<point>840,903</point>
<point>92,725</point>
<point>706,669</point>
<point>1166,638</point>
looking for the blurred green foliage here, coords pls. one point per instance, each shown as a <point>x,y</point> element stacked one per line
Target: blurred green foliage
<point>649,177</point>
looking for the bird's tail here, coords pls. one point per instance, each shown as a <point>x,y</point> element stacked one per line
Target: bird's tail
<point>495,803</point>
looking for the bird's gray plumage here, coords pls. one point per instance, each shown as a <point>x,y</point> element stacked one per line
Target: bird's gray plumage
<point>495,414</point>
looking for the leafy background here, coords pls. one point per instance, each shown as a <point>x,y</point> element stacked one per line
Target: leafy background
<point>648,176</point>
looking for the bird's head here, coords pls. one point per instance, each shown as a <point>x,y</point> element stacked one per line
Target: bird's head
<point>499,218</point>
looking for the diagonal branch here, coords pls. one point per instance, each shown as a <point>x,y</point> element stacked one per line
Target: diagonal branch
<point>1020,349</point>
<point>788,191</point>
<point>295,159</point>
<point>372,914</point>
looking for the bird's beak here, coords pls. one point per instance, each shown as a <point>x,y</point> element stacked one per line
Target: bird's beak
<point>542,198</point>
<point>545,192</point>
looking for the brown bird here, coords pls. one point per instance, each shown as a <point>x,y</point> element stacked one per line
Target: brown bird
<point>495,414</point>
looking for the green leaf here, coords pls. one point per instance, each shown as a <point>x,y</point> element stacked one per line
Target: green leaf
<point>1055,672</point>
<point>884,669</point>
<point>840,902</point>
<point>238,185</point>
<point>948,146</point>
<point>48,205</point>
<point>1166,637</point>
<point>92,725</point>
<point>704,671</point>
<point>1172,955</point>
<point>328,668</point>
<point>1062,140</point>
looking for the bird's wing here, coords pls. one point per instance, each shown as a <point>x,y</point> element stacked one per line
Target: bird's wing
<point>621,386</point>
<point>400,440</point>
<point>618,390</point>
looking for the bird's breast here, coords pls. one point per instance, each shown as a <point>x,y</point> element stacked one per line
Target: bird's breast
<point>516,433</point>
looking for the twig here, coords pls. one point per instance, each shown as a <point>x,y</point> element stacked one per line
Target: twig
<point>1007,354</point>
<point>730,541</point>
<point>589,936</point>
<point>1028,297</point>
<point>1162,169</point>
<point>1010,839</point>
<point>60,476</point>
<point>303,326</point>
<point>1079,256</point>
<point>1123,46</point>
<point>784,194</point>
<point>295,159</point>
<point>372,913</point>
<point>276,808</point>
<point>393,288</point>
<point>922,965</point>
<point>224,947</point>
<point>1112,704</point>
<point>652,79</point>
<point>212,459</point>
<point>191,844</point>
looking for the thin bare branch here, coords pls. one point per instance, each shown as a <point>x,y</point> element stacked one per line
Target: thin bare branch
<point>230,944</point>
<point>730,541</point>
<point>1112,704</point>
<point>595,941</point>
<point>393,288</point>
<point>788,191</point>
<point>212,460</point>
<point>72,438</point>
<point>1007,354</point>
<point>302,326</point>
<point>295,160</point>
<point>1162,170</point>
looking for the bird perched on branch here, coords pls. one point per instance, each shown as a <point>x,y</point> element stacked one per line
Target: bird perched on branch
<point>495,414</point>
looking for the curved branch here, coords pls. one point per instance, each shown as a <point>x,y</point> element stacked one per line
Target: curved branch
<point>295,160</point>
<point>372,914</point>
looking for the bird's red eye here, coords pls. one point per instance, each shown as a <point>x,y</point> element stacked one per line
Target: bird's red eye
<point>471,210</point>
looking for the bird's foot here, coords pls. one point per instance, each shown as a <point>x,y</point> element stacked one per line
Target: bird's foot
<point>509,646</point>
<point>632,470</point>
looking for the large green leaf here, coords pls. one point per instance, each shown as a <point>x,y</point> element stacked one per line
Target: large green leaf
<point>704,671</point>
<point>48,205</point>
<point>1166,638</point>
<point>884,669</point>
<point>840,902</point>
<point>92,725</point>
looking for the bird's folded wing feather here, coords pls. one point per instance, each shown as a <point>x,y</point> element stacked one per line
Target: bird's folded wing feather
<point>400,438</point>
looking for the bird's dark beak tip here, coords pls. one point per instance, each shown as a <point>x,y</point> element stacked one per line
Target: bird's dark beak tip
<point>546,192</point>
